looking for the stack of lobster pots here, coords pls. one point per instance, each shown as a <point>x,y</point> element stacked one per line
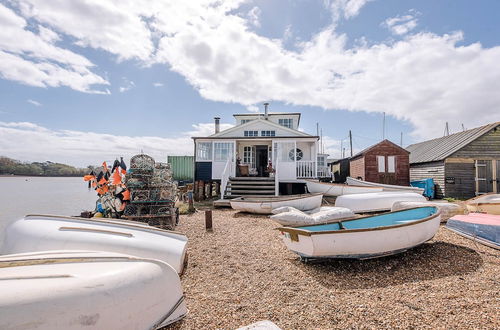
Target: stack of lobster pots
<point>153,193</point>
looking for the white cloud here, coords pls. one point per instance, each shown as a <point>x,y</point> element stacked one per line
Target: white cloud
<point>254,16</point>
<point>253,108</point>
<point>128,85</point>
<point>400,25</point>
<point>158,84</point>
<point>34,60</point>
<point>22,140</point>
<point>35,103</point>
<point>424,78</point>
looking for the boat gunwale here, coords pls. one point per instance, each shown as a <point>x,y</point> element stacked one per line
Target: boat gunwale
<point>126,223</point>
<point>305,232</point>
<point>343,185</point>
<point>389,186</point>
<point>274,198</point>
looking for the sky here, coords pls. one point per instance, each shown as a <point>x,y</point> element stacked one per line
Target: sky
<point>84,81</point>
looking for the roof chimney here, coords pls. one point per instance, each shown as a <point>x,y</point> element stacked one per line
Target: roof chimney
<point>217,124</point>
<point>265,110</point>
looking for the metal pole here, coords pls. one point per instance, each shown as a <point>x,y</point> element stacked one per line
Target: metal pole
<point>350,140</point>
<point>401,143</point>
<point>383,128</point>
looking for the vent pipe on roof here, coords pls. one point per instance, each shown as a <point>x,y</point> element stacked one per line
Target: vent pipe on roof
<point>217,124</point>
<point>265,110</point>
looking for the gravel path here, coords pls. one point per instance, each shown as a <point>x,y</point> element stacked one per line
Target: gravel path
<point>242,273</point>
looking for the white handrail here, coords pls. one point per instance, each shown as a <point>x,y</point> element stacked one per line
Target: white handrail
<point>225,177</point>
<point>276,171</point>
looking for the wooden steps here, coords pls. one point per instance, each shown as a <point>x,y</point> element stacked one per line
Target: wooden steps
<point>245,186</point>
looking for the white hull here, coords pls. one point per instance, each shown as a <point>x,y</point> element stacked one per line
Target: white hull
<point>489,203</point>
<point>335,189</point>
<point>44,233</point>
<point>447,209</point>
<point>386,187</point>
<point>94,290</point>
<point>265,205</point>
<point>376,202</point>
<point>363,244</point>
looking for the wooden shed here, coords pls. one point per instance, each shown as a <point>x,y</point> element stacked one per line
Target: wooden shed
<point>384,162</point>
<point>463,165</point>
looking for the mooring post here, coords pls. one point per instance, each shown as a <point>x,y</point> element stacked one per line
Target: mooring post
<point>190,201</point>
<point>208,220</point>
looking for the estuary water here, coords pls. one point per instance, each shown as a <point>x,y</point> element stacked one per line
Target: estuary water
<point>21,195</point>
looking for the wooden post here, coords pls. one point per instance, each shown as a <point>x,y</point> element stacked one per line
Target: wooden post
<point>208,220</point>
<point>190,201</point>
<point>201,190</point>
<point>217,188</point>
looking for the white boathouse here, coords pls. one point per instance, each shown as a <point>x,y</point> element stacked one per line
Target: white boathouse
<point>261,149</point>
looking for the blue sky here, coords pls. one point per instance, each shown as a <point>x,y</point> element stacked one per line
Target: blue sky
<point>83,81</point>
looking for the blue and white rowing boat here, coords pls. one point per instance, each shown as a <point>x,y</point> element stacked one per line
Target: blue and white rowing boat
<point>364,238</point>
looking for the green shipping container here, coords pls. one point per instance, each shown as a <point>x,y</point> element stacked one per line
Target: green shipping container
<point>182,167</point>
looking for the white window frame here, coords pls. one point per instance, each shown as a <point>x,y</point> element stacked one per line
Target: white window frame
<point>267,133</point>
<point>249,155</point>
<point>251,133</point>
<point>204,155</point>
<point>381,164</point>
<point>286,122</point>
<point>219,147</point>
<point>244,121</point>
<point>391,164</point>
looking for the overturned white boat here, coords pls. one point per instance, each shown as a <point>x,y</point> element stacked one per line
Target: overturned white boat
<point>448,210</point>
<point>86,289</point>
<point>385,187</point>
<point>337,189</point>
<point>376,202</point>
<point>47,232</point>
<point>489,203</point>
<point>364,238</point>
<point>265,205</point>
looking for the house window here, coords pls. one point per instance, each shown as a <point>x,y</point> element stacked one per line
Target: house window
<point>268,133</point>
<point>248,155</point>
<point>295,154</point>
<point>381,164</point>
<point>287,122</point>
<point>244,121</point>
<point>251,133</point>
<point>321,161</point>
<point>391,164</point>
<point>222,151</point>
<point>204,151</point>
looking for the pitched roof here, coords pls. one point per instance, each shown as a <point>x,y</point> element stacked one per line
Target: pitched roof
<point>440,148</point>
<point>362,152</point>
<point>263,121</point>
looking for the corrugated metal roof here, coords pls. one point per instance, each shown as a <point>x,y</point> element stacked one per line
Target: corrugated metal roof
<point>441,148</point>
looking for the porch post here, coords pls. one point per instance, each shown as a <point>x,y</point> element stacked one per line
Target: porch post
<point>315,158</point>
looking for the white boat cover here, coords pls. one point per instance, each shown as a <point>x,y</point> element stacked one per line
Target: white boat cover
<point>385,187</point>
<point>289,216</point>
<point>261,325</point>
<point>447,209</point>
<point>87,289</point>
<point>336,189</point>
<point>44,232</point>
<point>374,202</point>
<point>265,205</point>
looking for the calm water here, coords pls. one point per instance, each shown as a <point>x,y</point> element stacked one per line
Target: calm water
<point>28,195</point>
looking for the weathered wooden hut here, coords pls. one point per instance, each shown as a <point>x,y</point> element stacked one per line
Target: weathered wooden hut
<point>384,162</point>
<point>462,165</point>
<point>339,169</point>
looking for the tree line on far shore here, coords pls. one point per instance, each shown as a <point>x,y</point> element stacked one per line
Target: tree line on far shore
<point>10,166</point>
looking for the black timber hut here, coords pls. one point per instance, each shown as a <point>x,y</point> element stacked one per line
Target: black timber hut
<point>463,165</point>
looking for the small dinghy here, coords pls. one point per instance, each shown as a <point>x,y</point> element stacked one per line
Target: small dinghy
<point>489,203</point>
<point>336,189</point>
<point>480,227</point>
<point>385,187</point>
<point>447,209</point>
<point>376,202</point>
<point>46,232</point>
<point>265,205</point>
<point>86,289</point>
<point>363,238</point>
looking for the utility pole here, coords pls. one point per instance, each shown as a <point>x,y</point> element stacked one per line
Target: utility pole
<point>446,130</point>
<point>463,127</point>
<point>341,149</point>
<point>350,140</point>
<point>322,147</point>
<point>401,143</point>
<point>383,128</point>
<point>317,129</point>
